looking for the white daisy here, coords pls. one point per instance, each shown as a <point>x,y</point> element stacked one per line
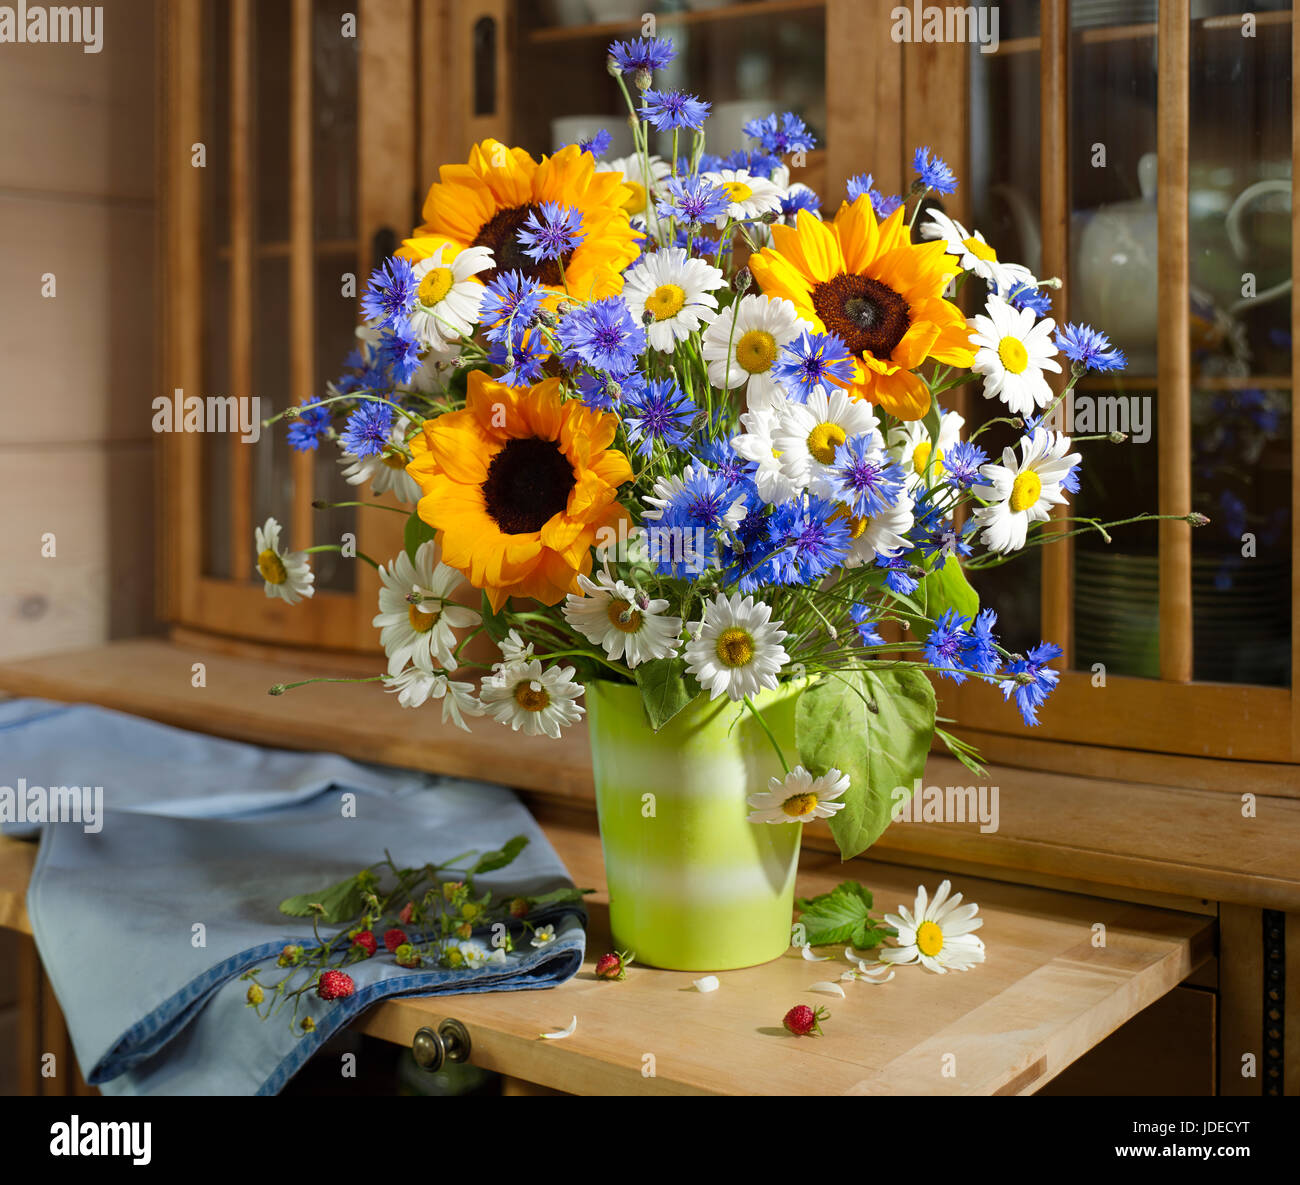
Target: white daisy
<point>634,177</point>
<point>288,574</point>
<point>385,471</point>
<point>741,346</point>
<point>675,291</point>
<point>625,622</point>
<point>798,797</point>
<point>416,685</point>
<point>881,534</point>
<point>543,936</point>
<point>758,443</point>
<point>513,649</point>
<point>532,700</point>
<point>748,197</point>
<point>476,955</point>
<point>417,619</point>
<point>808,435</point>
<point>910,446</point>
<point>736,648</point>
<point>1011,352</point>
<point>938,934</point>
<point>448,297</point>
<point>974,254</point>
<point>666,489</point>
<point>1023,492</point>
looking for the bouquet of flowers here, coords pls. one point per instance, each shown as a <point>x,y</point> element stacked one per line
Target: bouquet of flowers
<point>683,427</point>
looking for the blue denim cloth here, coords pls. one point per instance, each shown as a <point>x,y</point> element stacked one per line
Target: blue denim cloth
<point>114,911</point>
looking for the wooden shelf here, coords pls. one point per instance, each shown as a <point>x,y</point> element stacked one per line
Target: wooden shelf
<point>1112,33</point>
<point>281,250</point>
<point>1120,380</point>
<point>766,9</point>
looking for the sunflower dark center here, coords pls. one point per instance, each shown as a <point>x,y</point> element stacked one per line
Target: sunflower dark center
<point>528,481</point>
<point>501,233</point>
<point>868,315</point>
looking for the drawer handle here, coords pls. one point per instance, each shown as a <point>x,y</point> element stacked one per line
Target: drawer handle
<point>450,1042</point>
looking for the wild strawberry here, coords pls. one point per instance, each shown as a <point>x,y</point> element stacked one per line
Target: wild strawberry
<point>519,907</point>
<point>335,985</point>
<point>613,966</point>
<point>365,939</point>
<point>406,956</point>
<point>291,956</point>
<point>254,996</point>
<point>393,939</point>
<point>802,1020</point>
<point>308,1025</point>
<point>408,912</point>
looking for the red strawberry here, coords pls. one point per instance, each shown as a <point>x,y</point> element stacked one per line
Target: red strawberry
<point>394,938</point>
<point>407,911</point>
<point>334,985</point>
<point>612,966</point>
<point>365,939</point>
<point>802,1020</point>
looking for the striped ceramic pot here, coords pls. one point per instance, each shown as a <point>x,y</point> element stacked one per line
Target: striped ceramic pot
<point>693,886</point>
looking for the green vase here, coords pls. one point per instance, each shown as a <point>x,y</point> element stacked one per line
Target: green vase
<point>693,885</point>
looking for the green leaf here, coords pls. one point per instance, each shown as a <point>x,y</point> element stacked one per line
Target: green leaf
<point>947,588</point>
<point>338,903</point>
<point>842,915</point>
<point>557,897</point>
<point>876,727</point>
<point>491,861</point>
<point>665,689</point>
<point>931,420</point>
<point>417,532</point>
<point>495,623</point>
<point>458,384</point>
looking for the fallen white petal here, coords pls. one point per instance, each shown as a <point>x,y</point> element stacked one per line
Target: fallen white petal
<point>568,1031</point>
<point>807,953</point>
<point>708,984</point>
<point>831,989</point>
<point>867,976</point>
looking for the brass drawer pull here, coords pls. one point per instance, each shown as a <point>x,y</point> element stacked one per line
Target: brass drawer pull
<point>448,1043</point>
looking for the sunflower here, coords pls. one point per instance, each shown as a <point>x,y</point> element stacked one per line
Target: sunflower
<point>485,202</point>
<point>518,484</point>
<point>881,293</point>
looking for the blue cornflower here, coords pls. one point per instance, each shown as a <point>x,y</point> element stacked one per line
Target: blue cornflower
<point>799,197</point>
<point>604,335</point>
<point>1031,680</point>
<point>522,358</point>
<point>661,412</point>
<point>1090,348</point>
<point>782,135</point>
<point>709,163</point>
<point>390,293</point>
<point>598,145</point>
<point>944,540</point>
<point>865,478</point>
<point>720,456</point>
<point>367,373</point>
<point>961,464</point>
<point>813,360</point>
<point>510,305</point>
<point>758,163</point>
<point>693,200</point>
<point>898,574</point>
<point>601,391</point>
<point>981,655</point>
<point>1029,296</point>
<point>306,430</point>
<point>642,53</point>
<point>818,541</point>
<point>750,553</point>
<point>670,110</point>
<point>947,644</point>
<point>366,432</point>
<point>864,183</point>
<point>864,619</point>
<point>933,172</point>
<point>551,232</point>
<point>399,353</point>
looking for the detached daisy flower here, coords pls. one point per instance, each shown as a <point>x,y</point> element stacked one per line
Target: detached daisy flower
<point>973,253</point>
<point>809,434</point>
<point>288,575</point>
<point>532,700</point>
<point>384,470</point>
<point>1011,352</point>
<point>743,342</point>
<point>416,619</point>
<point>909,442</point>
<point>736,647</point>
<point>448,297</point>
<point>416,685</point>
<point>938,933</point>
<point>626,623</point>
<point>670,293</point>
<point>644,187</point>
<point>748,197</point>
<point>799,797</point>
<point>1024,491</point>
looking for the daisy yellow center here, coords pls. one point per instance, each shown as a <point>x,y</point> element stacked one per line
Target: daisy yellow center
<point>824,440</point>
<point>434,287</point>
<point>735,647</point>
<point>929,939</point>
<point>921,458</point>
<point>1026,490</point>
<point>395,460</point>
<point>980,249</point>
<point>421,622</point>
<point>532,697</point>
<point>756,351</point>
<point>737,191</point>
<point>1013,354</point>
<point>798,805</point>
<point>629,624</point>
<point>271,566</point>
<point>635,204</point>
<point>665,301</point>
